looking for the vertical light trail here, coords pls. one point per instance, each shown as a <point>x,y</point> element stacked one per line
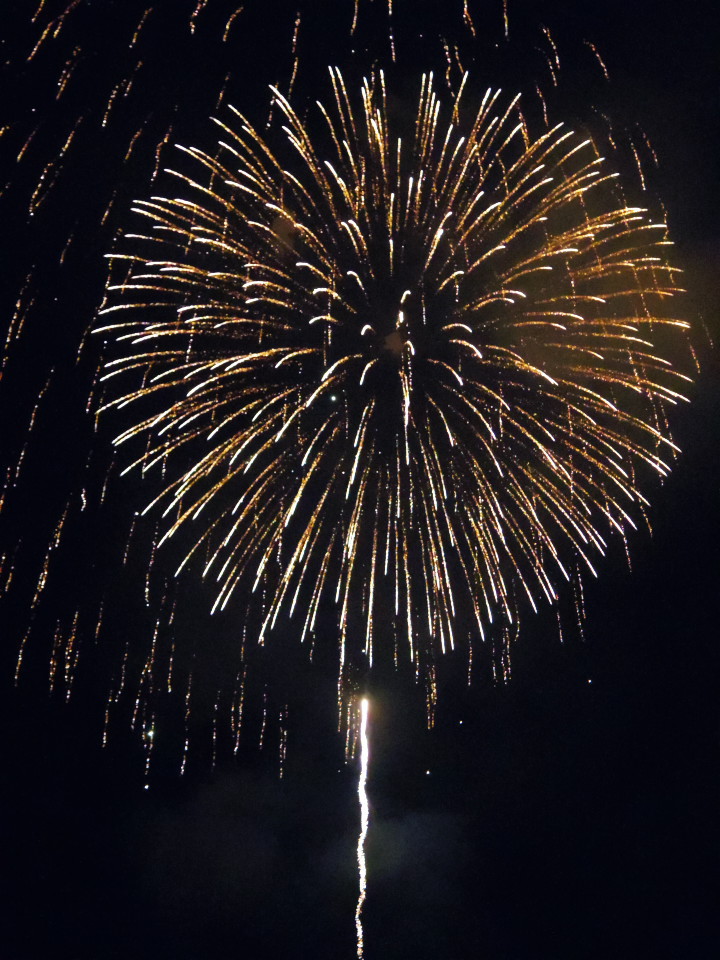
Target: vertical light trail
<point>364,820</point>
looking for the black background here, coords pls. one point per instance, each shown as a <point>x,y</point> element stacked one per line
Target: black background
<point>570,813</point>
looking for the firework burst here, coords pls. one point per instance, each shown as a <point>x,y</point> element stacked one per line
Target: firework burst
<point>413,363</point>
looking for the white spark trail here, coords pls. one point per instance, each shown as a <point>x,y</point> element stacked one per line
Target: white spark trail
<point>364,821</point>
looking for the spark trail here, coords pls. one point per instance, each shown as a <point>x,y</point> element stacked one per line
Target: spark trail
<point>364,823</point>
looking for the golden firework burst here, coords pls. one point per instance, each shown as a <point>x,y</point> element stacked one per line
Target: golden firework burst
<point>412,363</point>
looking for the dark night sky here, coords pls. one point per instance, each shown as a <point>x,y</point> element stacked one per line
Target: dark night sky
<point>571,813</point>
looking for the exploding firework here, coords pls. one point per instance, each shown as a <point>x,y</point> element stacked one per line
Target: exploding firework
<point>412,369</point>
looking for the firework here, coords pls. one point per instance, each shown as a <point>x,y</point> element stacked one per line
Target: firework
<point>87,85</point>
<point>415,369</point>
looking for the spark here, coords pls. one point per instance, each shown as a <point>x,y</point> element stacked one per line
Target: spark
<point>598,58</point>
<point>231,19</point>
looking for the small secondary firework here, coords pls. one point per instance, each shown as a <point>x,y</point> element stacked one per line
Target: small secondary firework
<point>411,364</point>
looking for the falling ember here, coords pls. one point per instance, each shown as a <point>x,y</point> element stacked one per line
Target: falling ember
<point>364,819</point>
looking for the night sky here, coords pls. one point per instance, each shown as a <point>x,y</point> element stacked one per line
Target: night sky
<point>568,813</point>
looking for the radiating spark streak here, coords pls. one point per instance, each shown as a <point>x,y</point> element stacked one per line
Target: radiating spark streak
<point>364,823</point>
<point>598,58</point>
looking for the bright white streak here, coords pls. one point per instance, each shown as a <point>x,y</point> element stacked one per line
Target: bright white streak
<point>364,820</point>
